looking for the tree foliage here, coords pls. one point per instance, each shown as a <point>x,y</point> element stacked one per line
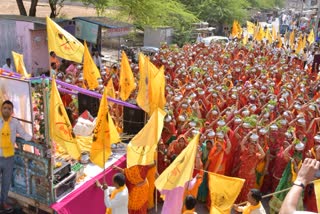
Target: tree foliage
<point>153,12</point>
<point>99,5</point>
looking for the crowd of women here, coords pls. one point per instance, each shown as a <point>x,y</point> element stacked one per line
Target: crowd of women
<point>255,105</point>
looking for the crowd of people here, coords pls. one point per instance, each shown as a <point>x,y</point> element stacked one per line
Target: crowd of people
<point>255,105</point>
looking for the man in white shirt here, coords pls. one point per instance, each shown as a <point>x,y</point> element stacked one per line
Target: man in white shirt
<point>116,198</point>
<point>8,66</point>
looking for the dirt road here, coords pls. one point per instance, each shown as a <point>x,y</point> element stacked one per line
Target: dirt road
<point>69,10</point>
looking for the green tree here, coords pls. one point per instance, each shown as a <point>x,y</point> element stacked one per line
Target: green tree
<point>153,13</point>
<point>220,12</point>
<point>99,5</point>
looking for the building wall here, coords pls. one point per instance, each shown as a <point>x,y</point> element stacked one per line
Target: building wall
<point>8,40</point>
<point>21,37</point>
<point>34,47</point>
<point>154,37</point>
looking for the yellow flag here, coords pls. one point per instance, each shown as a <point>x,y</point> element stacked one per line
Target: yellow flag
<point>60,127</point>
<point>274,33</point>
<point>19,64</point>
<point>110,89</point>
<point>223,192</point>
<point>157,91</point>
<point>143,93</point>
<point>102,134</point>
<point>250,27</point>
<point>304,43</point>
<point>140,150</point>
<point>63,43</point>
<point>268,36</point>
<point>291,39</point>
<point>90,71</point>
<point>245,39</point>
<point>260,34</point>
<point>317,192</point>
<point>300,45</point>
<point>180,170</point>
<point>311,37</point>
<point>126,82</point>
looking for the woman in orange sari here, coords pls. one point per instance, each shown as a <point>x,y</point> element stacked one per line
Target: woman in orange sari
<point>216,160</point>
<point>138,187</point>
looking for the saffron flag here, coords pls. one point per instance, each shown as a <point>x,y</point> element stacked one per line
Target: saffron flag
<point>291,39</point>
<point>90,70</point>
<point>19,64</point>
<point>250,27</point>
<point>140,150</point>
<point>126,82</point>
<point>304,43</point>
<point>300,45</point>
<point>245,39</point>
<point>63,43</point>
<point>110,89</point>
<point>311,37</point>
<point>235,31</point>
<point>224,191</point>
<point>143,92</point>
<point>103,134</point>
<point>60,127</point>
<point>317,192</point>
<point>157,91</point>
<point>268,36</point>
<point>180,170</point>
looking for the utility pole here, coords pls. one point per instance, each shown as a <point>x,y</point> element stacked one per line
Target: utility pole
<point>317,21</point>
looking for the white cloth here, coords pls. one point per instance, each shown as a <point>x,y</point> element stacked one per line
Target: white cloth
<point>15,128</point>
<point>6,67</point>
<point>119,204</point>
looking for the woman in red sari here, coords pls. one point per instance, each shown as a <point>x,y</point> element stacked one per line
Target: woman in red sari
<point>251,155</point>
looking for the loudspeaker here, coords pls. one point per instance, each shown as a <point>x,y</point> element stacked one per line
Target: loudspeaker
<point>88,103</point>
<point>133,120</point>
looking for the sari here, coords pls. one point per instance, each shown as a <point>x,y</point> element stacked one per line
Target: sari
<point>247,171</point>
<point>286,181</point>
<point>138,188</point>
<point>203,188</point>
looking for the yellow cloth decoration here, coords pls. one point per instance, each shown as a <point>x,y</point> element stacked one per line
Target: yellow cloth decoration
<point>140,150</point>
<point>224,191</point>
<point>90,71</point>
<point>181,169</point>
<point>19,64</point>
<point>112,195</point>
<point>144,83</point>
<point>317,192</point>
<point>63,43</point>
<point>248,209</point>
<point>126,82</point>
<point>60,127</point>
<point>6,144</point>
